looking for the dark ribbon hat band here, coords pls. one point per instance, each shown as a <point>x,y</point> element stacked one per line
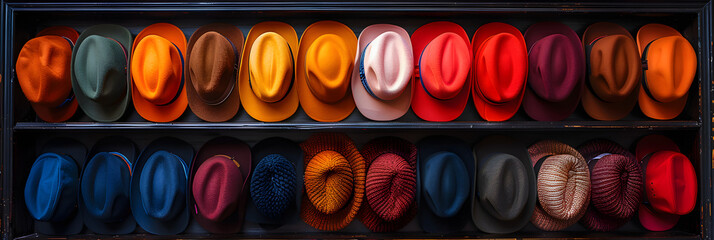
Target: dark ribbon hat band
<point>362,74</point>
<point>178,93</point>
<point>227,93</point>
<point>418,75</point>
<point>70,96</point>
<point>125,159</point>
<point>644,74</point>
<point>290,87</point>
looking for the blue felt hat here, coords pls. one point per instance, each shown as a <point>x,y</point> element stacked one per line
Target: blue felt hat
<point>105,184</point>
<point>52,187</point>
<point>159,186</point>
<point>445,174</point>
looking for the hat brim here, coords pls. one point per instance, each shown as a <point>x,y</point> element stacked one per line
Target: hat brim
<point>178,224</point>
<point>651,144</point>
<point>292,152</point>
<point>103,112</point>
<point>371,107</point>
<point>482,219</point>
<point>314,107</point>
<point>63,31</point>
<point>229,108</point>
<point>127,148</point>
<point>428,220</point>
<point>656,220</point>
<point>256,108</point>
<point>423,105</point>
<point>541,109</point>
<point>506,110</point>
<point>78,152</point>
<point>146,109</point>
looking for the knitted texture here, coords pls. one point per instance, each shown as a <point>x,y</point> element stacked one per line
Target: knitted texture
<point>563,185</point>
<point>273,185</point>
<point>318,180</point>
<point>391,184</point>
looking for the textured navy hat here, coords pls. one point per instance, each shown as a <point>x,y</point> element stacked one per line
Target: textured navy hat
<point>53,185</point>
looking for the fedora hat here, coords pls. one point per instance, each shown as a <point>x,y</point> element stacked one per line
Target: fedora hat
<point>505,186</point>
<point>445,174</point>
<point>275,186</point>
<point>43,72</point>
<point>442,55</point>
<point>382,76</point>
<point>499,72</point>
<point>669,65</point>
<point>218,184</point>
<point>670,183</point>
<point>52,187</point>
<point>157,64</point>
<point>391,184</point>
<point>323,70</point>
<point>99,77</point>
<point>334,181</point>
<point>614,71</point>
<point>158,207</point>
<point>267,72</point>
<point>616,185</point>
<point>211,71</point>
<point>104,186</point>
<point>556,70</point>
<point>563,183</point>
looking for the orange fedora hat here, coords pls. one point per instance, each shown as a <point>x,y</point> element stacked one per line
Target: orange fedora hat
<point>157,73</point>
<point>324,69</point>
<point>267,72</point>
<point>670,65</point>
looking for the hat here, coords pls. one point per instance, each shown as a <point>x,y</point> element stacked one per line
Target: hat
<point>267,72</point>
<point>211,88</point>
<point>105,184</point>
<point>218,183</point>
<point>442,55</point>
<point>52,187</point>
<point>158,207</point>
<point>391,184</point>
<point>382,76</point>
<point>99,77</point>
<point>499,71</point>
<point>670,183</point>
<point>505,186</point>
<point>563,185</point>
<point>43,72</point>
<point>275,187</point>
<point>334,181</point>
<point>556,63</point>
<point>157,64</point>
<point>614,71</point>
<point>669,65</point>
<point>444,176</point>
<point>616,185</point>
<point>323,70</point>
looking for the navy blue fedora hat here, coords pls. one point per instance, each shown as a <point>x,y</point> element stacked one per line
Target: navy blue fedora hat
<point>276,183</point>
<point>445,174</point>
<point>159,186</point>
<point>105,185</point>
<point>53,185</point>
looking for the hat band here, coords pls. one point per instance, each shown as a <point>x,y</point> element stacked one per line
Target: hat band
<point>290,87</point>
<point>180,88</point>
<point>644,72</point>
<point>231,84</point>
<point>125,159</point>
<point>421,80</point>
<point>594,160</point>
<point>363,76</point>
<point>70,96</point>
<point>539,163</point>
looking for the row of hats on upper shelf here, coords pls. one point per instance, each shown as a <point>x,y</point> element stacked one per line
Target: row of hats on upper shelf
<point>499,185</point>
<point>547,70</point>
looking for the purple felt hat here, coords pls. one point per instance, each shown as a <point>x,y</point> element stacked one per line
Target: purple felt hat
<point>556,71</point>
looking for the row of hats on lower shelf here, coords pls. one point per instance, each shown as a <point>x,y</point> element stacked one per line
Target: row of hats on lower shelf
<point>382,73</point>
<point>499,184</point>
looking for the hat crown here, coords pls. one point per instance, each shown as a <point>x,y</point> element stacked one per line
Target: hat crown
<point>671,67</point>
<point>100,69</point>
<point>444,65</point>
<point>105,187</point>
<point>328,181</point>
<point>388,63</point>
<point>162,186</point>
<point>274,185</point>
<point>213,69</point>
<point>51,188</point>
<point>671,183</point>
<point>217,186</point>
<point>43,70</point>
<point>615,67</point>
<point>563,186</point>
<point>502,186</point>
<point>555,73</point>
<point>616,185</point>
<point>271,67</point>
<point>328,68</point>
<point>391,186</point>
<point>157,68</point>
<point>446,184</point>
<point>501,66</point>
